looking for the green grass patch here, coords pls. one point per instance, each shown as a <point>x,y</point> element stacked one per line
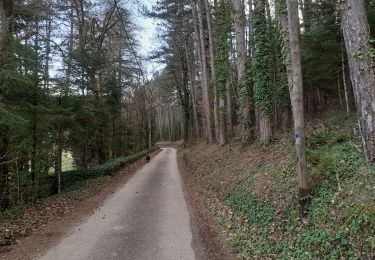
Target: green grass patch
<point>67,162</point>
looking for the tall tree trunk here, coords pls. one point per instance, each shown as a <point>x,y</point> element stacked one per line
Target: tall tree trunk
<point>58,159</point>
<point>307,15</point>
<point>6,21</point>
<point>191,74</point>
<point>345,83</point>
<point>4,169</point>
<point>297,105</point>
<point>198,48</point>
<point>205,87</point>
<point>212,65</point>
<point>357,35</point>
<point>282,16</point>
<point>251,31</point>
<point>149,123</point>
<point>262,76</point>
<point>244,96</point>
<point>229,105</point>
<point>48,51</point>
<point>339,88</point>
<point>34,121</point>
<point>169,123</point>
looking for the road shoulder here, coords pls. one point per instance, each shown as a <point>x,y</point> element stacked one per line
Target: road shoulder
<point>207,236</point>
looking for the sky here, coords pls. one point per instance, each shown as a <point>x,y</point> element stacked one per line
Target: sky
<point>147,35</point>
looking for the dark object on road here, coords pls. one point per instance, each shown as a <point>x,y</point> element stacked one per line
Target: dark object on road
<point>148,158</point>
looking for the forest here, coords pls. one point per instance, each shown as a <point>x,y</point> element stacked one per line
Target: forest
<point>233,74</point>
<point>251,70</point>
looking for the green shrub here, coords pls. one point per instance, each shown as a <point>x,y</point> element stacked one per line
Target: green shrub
<point>19,189</point>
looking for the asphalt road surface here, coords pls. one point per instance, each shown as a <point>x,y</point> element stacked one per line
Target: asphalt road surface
<point>148,218</point>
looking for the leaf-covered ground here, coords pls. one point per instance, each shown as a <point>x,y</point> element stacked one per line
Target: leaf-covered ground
<point>252,190</point>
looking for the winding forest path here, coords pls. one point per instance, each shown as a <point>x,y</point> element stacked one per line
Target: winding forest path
<point>146,219</point>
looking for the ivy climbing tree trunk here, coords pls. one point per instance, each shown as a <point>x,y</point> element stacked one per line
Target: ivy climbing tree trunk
<point>297,105</point>
<point>250,25</point>
<point>229,105</point>
<point>262,77</point>
<point>244,95</point>
<point>357,35</point>
<point>222,64</point>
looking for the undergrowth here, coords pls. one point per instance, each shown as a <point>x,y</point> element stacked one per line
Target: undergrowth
<point>341,222</point>
<point>70,180</point>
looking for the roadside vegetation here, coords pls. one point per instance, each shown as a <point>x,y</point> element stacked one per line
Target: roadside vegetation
<point>71,181</point>
<point>252,192</point>
<point>79,186</point>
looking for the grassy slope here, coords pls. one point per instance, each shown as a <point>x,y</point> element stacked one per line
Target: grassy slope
<point>256,188</point>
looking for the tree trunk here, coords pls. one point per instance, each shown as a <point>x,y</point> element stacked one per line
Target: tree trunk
<point>265,127</point>
<point>339,89</point>
<point>191,74</point>
<point>6,20</point>
<point>48,51</point>
<point>149,123</point>
<point>229,117</point>
<point>58,158</point>
<point>34,121</point>
<point>212,65</point>
<point>4,170</point>
<point>345,83</point>
<point>282,16</point>
<point>307,14</point>
<point>297,105</point>
<point>205,85</point>
<point>262,75</point>
<point>239,27</point>
<point>357,35</point>
<point>251,31</point>
<point>169,124</point>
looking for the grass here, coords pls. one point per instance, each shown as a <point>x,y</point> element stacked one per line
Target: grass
<point>341,223</point>
<point>67,162</point>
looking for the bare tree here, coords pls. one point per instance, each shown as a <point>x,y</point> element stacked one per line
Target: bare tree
<point>297,105</point>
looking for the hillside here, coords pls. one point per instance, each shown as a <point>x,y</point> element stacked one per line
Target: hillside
<point>252,191</point>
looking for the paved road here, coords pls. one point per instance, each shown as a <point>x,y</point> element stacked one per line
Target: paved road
<point>146,219</point>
